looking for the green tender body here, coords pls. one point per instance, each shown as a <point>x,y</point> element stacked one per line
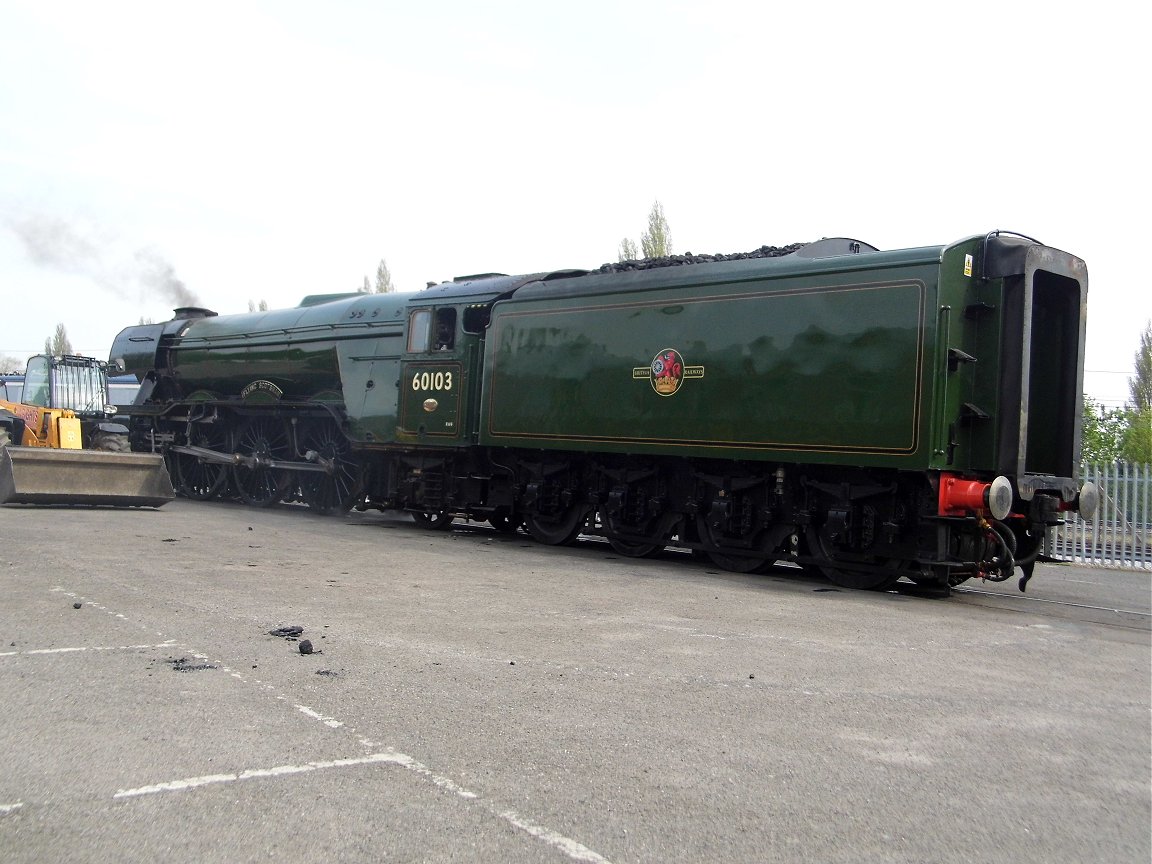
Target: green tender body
<point>783,358</point>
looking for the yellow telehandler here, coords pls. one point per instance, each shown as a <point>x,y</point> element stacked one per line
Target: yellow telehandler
<point>59,443</point>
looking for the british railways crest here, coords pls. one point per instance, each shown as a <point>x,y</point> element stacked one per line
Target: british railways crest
<point>667,372</point>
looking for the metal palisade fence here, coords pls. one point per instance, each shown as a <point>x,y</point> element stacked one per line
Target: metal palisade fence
<point>1119,534</point>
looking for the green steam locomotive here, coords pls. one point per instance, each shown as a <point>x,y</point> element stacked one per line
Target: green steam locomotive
<point>875,415</point>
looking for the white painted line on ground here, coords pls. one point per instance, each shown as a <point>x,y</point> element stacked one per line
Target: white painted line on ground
<point>316,715</point>
<point>10,808</point>
<point>252,774</point>
<point>569,847</point>
<point>168,644</point>
<point>424,771</point>
<point>575,851</point>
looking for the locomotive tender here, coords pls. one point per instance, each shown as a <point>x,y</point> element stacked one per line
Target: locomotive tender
<point>874,415</point>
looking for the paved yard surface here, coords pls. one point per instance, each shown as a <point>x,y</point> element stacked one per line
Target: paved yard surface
<point>476,697</point>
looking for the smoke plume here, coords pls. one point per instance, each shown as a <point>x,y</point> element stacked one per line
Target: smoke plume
<point>142,275</point>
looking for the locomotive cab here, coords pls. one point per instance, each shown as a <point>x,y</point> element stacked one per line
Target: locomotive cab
<point>432,380</point>
<point>439,374</point>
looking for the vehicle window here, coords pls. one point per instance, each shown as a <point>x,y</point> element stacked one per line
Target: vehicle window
<point>79,387</point>
<point>476,318</point>
<point>419,325</point>
<point>36,382</point>
<point>445,329</point>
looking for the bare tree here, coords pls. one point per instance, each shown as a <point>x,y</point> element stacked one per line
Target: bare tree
<point>10,365</point>
<point>628,250</point>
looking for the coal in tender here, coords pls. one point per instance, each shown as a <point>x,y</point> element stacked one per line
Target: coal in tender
<point>689,258</point>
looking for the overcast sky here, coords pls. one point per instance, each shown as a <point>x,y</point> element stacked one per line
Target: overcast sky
<point>154,154</point>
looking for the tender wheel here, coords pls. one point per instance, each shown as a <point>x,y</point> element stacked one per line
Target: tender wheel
<point>338,491</point>
<point>263,438</point>
<point>560,529</point>
<point>635,550</point>
<point>739,563</point>
<point>433,521</point>
<point>631,549</point>
<point>195,478</point>
<point>505,523</point>
<point>858,580</point>
<point>752,563</point>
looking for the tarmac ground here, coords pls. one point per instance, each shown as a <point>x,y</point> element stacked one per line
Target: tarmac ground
<point>474,696</point>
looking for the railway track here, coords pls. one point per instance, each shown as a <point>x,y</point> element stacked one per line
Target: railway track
<point>1135,620</point>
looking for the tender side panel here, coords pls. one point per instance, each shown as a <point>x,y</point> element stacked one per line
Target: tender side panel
<point>830,371</point>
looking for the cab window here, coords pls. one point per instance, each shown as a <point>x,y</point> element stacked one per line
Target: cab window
<point>445,329</point>
<point>431,330</point>
<point>419,326</point>
<point>476,318</point>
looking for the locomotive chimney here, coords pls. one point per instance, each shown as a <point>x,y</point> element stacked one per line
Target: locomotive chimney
<point>185,312</point>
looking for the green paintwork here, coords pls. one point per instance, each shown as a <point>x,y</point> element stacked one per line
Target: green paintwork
<point>294,349</point>
<point>347,349</point>
<point>431,400</point>
<point>826,367</point>
<point>1025,326</point>
<point>889,359</point>
<point>970,320</point>
<point>893,359</point>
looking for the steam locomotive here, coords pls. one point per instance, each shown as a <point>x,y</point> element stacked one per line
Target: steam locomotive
<point>874,415</point>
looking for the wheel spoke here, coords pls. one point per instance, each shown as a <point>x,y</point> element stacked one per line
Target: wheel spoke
<point>262,438</point>
<point>195,478</point>
<point>336,491</point>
